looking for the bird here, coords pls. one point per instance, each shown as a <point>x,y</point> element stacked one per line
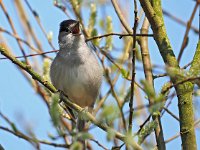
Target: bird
<point>75,71</point>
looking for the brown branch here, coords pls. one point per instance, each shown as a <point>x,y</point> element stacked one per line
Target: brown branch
<point>61,7</point>
<point>27,25</point>
<point>178,134</point>
<point>113,92</point>
<point>32,55</point>
<point>180,82</point>
<point>75,107</point>
<point>13,29</point>
<point>149,78</point>
<point>28,69</point>
<point>99,144</point>
<point>117,34</point>
<point>119,102</point>
<point>185,39</point>
<point>19,134</point>
<point>36,16</point>
<point>18,38</point>
<point>178,20</point>
<point>78,15</point>
<point>173,115</point>
<point>133,67</point>
<point>143,124</point>
<point>33,140</point>
<point>121,17</point>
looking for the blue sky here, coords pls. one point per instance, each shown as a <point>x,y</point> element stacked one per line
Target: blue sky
<point>23,106</point>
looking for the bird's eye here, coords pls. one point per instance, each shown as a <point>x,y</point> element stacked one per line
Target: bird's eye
<point>67,30</point>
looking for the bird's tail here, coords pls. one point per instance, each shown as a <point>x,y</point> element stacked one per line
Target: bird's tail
<point>81,126</point>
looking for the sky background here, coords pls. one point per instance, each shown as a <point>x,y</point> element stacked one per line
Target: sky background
<point>22,105</point>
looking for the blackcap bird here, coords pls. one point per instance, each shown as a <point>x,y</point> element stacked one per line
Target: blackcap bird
<point>75,70</point>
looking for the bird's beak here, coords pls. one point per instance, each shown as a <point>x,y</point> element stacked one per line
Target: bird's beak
<point>76,29</point>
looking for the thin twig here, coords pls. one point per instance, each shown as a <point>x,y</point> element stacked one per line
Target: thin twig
<point>199,21</point>
<point>28,69</point>
<point>13,29</point>
<point>173,115</point>
<point>133,67</point>
<point>121,17</point>
<point>74,106</point>
<point>178,20</point>
<point>143,124</point>
<point>119,102</point>
<point>36,16</point>
<point>184,43</point>
<point>61,7</point>
<point>180,82</point>
<point>178,134</point>
<point>101,145</point>
<point>24,19</point>
<point>18,38</point>
<point>117,34</point>
<point>6,119</point>
<point>149,78</point>
<point>187,65</point>
<point>78,15</point>
<point>33,140</point>
<point>32,55</point>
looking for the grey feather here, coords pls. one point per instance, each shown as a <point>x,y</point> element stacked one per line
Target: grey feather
<point>76,72</point>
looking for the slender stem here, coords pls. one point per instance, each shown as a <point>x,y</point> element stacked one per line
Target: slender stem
<point>36,16</point>
<point>178,134</point>
<point>28,69</point>
<point>27,25</point>
<point>149,78</point>
<point>117,34</point>
<point>75,107</point>
<point>32,55</point>
<point>153,11</point>
<point>117,99</point>
<point>19,39</point>
<point>13,29</point>
<point>121,17</point>
<point>133,67</point>
<point>185,39</point>
<point>178,20</point>
<point>25,137</point>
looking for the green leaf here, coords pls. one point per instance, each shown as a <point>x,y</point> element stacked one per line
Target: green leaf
<point>54,110</point>
<point>76,146</point>
<point>95,33</point>
<point>101,23</point>
<point>84,135</point>
<point>146,130</point>
<point>149,90</point>
<point>110,134</point>
<point>92,19</point>
<point>128,95</point>
<point>155,108</point>
<point>129,139</point>
<point>176,72</point>
<point>51,136</point>
<point>13,126</point>
<point>50,35</point>
<point>109,29</point>
<point>109,114</point>
<point>46,68</point>
<point>124,73</point>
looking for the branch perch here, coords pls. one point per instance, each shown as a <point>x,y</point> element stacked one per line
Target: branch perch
<point>75,107</point>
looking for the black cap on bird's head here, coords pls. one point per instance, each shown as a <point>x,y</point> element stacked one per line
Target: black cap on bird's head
<point>70,26</point>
